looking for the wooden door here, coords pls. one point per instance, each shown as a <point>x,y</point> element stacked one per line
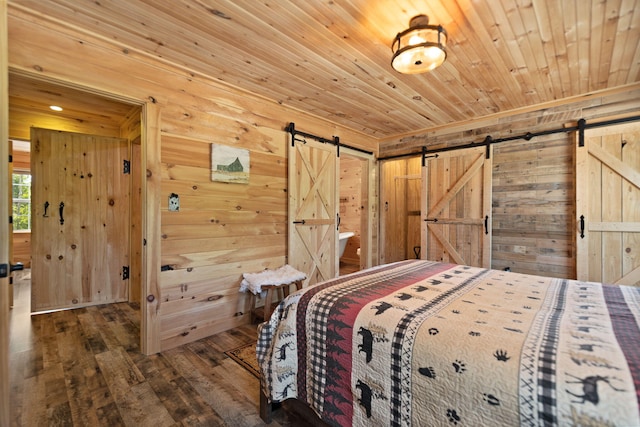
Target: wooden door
<point>608,205</point>
<point>456,213</point>
<point>313,210</point>
<point>80,220</point>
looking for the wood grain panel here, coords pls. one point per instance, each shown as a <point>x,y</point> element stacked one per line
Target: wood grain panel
<point>84,367</point>
<point>237,228</point>
<point>456,191</point>
<point>332,60</point>
<point>313,210</point>
<point>80,216</point>
<point>22,248</point>
<point>21,160</point>
<point>532,203</point>
<point>609,178</point>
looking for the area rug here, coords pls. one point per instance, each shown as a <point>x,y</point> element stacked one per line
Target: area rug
<point>245,356</point>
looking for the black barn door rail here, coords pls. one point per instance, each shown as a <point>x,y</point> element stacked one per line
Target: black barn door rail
<point>581,126</point>
<point>291,128</point>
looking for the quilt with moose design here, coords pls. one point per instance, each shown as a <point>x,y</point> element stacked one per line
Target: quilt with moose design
<point>423,343</point>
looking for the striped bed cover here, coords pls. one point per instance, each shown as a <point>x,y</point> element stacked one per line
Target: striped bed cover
<point>425,343</point>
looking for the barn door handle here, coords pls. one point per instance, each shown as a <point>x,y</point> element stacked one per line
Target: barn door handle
<point>61,208</point>
<point>299,222</point>
<point>486,224</point>
<point>46,206</point>
<point>431,220</point>
<point>582,226</point>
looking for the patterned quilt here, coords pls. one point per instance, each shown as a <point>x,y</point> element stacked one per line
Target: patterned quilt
<point>423,343</point>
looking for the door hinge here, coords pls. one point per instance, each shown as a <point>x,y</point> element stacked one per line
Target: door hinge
<point>10,158</point>
<point>126,167</point>
<point>125,272</point>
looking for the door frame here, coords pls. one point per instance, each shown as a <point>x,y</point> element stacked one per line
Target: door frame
<point>391,173</point>
<point>4,209</point>
<point>369,200</point>
<point>150,200</point>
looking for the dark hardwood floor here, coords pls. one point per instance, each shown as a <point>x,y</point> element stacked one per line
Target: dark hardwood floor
<point>347,267</point>
<point>83,367</point>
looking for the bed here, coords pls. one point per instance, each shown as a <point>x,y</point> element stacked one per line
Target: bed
<point>425,343</point>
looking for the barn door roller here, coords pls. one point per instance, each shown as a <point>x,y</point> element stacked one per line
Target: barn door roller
<point>291,128</point>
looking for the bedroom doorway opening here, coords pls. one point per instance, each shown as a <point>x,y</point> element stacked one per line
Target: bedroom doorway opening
<point>84,112</point>
<point>350,210</point>
<point>356,207</point>
<point>400,197</point>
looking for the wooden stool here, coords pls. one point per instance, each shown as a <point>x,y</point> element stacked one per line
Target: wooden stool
<point>270,304</point>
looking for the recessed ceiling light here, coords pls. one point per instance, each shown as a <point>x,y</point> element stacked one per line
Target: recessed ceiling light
<point>55,108</point>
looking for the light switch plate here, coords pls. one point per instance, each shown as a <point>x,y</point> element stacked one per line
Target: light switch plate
<point>174,202</point>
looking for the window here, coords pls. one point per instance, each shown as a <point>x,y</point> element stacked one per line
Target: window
<point>21,201</point>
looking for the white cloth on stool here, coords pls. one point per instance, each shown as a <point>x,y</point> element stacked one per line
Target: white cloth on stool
<point>254,281</point>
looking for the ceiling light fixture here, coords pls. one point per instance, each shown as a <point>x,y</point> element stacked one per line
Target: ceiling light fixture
<point>420,48</point>
<point>55,108</point>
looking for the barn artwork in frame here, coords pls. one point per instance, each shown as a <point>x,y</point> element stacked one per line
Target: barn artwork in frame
<point>229,164</point>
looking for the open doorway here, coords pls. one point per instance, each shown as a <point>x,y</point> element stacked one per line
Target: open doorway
<point>400,182</point>
<point>356,209</point>
<point>82,112</point>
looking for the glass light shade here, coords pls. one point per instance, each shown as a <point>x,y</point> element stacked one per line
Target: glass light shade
<point>419,49</point>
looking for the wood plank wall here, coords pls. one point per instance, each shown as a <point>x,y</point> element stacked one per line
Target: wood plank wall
<point>221,230</point>
<point>22,248</point>
<point>533,198</point>
<point>533,181</point>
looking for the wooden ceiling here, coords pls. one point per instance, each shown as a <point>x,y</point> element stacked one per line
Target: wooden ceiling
<point>36,96</point>
<point>331,58</point>
<point>29,106</point>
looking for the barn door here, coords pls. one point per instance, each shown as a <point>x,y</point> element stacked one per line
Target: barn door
<point>456,213</point>
<point>608,205</point>
<point>313,210</point>
<point>80,220</point>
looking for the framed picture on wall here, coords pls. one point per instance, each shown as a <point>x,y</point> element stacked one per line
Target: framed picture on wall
<point>229,164</point>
